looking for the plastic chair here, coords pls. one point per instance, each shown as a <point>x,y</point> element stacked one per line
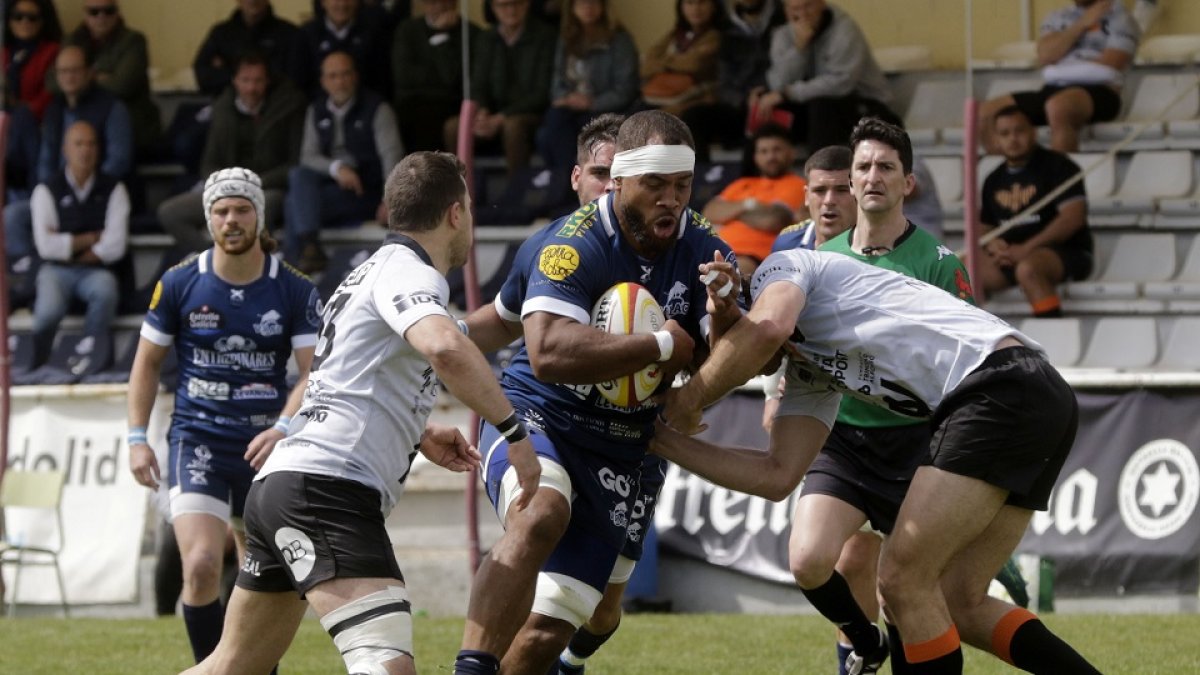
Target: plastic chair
<point>1060,337</point>
<point>32,490</point>
<point>1122,343</point>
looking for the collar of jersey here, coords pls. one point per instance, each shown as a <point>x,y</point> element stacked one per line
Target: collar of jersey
<point>608,216</point>
<point>403,240</point>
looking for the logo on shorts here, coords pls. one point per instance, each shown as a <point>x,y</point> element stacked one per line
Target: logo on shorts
<point>202,459</point>
<point>199,476</point>
<point>620,515</point>
<point>297,550</point>
<point>268,324</point>
<point>614,482</point>
<point>1159,489</point>
<point>252,566</point>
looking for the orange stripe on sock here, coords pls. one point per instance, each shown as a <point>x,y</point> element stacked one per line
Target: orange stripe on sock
<point>932,649</point>
<point>1006,628</point>
<point>1047,304</point>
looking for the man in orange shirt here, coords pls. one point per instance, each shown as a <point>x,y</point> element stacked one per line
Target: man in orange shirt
<point>751,211</point>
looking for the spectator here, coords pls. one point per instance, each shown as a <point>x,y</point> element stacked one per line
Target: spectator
<point>80,226</point>
<point>31,38</point>
<point>354,28</point>
<point>741,67</point>
<point>1084,51</point>
<point>511,81</point>
<point>427,71</point>
<point>1048,246</point>
<point>595,71</point>
<point>680,70</point>
<point>80,99</point>
<point>822,72</point>
<point>253,26</point>
<point>350,146</point>
<point>257,124</point>
<point>752,210</point>
<point>120,61</point>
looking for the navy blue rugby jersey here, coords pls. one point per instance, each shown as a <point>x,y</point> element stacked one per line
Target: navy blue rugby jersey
<point>564,269</point>
<point>232,342</point>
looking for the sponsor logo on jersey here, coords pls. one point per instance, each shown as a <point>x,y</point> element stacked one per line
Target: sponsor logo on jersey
<point>558,261</point>
<point>255,390</point>
<point>943,252</point>
<point>579,222</point>
<point>234,351</point>
<point>157,295</point>
<point>207,389</point>
<point>407,301</point>
<point>235,343</point>
<point>677,303</point>
<point>700,222</point>
<point>205,319</point>
<point>1159,489</point>
<point>297,550</point>
<point>313,309</point>
<point>269,324</point>
<point>356,277</point>
<point>963,286</point>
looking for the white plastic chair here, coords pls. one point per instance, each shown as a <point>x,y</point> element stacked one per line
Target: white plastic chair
<point>1169,49</point>
<point>1182,351</point>
<point>904,58</point>
<point>32,490</point>
<point>1135,259</point>
<point>1061,338</point>
<point>1183,286</point>
<point>936,104</point>
<point>1123,343</point>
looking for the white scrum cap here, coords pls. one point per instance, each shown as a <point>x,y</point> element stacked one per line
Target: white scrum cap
<point>235,182</point>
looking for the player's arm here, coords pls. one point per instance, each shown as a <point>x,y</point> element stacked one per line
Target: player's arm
<point>464,371</point>
<point>143,388</point>
<point>772,474</point>
<point>739,355</point>
<point>260,446</point>
<point>490,331</point>
<point>564,351</point>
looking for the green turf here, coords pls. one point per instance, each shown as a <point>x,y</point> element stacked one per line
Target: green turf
<point>726,643</point>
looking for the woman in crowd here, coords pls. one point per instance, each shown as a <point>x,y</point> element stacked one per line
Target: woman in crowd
<point>680,70</point>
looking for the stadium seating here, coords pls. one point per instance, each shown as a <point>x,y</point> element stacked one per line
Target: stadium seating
<point>1060,337</point>
<point>936,105</point>
<point>1180,351</point>
<point>1185,285</point>
<point>1155,99</point>
<point>1127,268</point>
<point>1151,175</point>
<point>1168,50</point>
<point>1122,343</point>
<point>1010,55</point>
<point>904,58</point>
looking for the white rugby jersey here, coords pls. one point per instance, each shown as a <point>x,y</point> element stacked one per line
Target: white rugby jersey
<point>370,392</point>
<point>889,339</point>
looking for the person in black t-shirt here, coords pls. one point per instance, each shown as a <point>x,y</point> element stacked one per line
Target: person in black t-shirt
<point>1048,246</point>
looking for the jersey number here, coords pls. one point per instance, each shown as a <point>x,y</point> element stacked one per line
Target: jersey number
<point>909,405</point>
<point>329,330</point>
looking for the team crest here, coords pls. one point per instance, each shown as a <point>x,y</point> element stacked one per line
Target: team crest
<point>677,303</point>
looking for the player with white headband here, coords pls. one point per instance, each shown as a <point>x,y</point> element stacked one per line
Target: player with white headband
<point>576,535</point>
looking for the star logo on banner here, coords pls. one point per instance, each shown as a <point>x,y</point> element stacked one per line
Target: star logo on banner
<point>1159,489</point>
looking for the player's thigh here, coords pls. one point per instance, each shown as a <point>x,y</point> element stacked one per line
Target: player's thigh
<point>259,628</point>
<point>942,514</point>
<point>200,535</point>
<point>820,527</point>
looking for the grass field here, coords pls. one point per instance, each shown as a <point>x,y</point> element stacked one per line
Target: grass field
<point>646,644</point>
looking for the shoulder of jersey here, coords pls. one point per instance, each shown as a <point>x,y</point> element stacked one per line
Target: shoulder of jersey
<point>699,222</point>
<point>796,227</point>
<point>579,222</point>
<point>192,261</point>
<point>294,272</point>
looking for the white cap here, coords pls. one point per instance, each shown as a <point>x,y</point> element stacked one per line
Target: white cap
<point>235,182</point>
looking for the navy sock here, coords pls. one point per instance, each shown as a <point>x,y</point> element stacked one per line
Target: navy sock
<point>835,602</point>
<point>204,627</point>
<point>584,643</point>
<point>473,662</point>
<point>843,652</point>
<point>1036,650</point>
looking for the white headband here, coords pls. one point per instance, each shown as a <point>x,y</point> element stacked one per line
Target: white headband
<point>653,159</point>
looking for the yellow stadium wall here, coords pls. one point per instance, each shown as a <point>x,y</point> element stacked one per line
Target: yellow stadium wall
<point>175,28</point>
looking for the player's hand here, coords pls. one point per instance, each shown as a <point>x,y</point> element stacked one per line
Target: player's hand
<point>446,447</point>
<point>681,353</point>
<point>723,283</point>
<point>260,447</point>
<point>680,414</point>
<point>529,470</point>
<point>144,465</point>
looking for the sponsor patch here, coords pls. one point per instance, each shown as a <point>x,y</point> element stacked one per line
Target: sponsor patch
<point>255,391</point>
<point>157,296</point>
<point>415,299</point>
<point>558,261</point>
<point>205,318</point>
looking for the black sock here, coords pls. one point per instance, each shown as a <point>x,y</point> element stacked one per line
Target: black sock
<point>584,642</point>
<point>473,662</point>
<point>900,665</point>
<point>948,664</point>
<point>1036,650</point>
<point>204,627</point>
<point>835,602</point>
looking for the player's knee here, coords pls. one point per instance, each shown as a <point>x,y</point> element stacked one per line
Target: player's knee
<point>202,568</point>
<point>811,566</point>
<point>897,584</point>
<point>566,599</point>
<point>372,630</point>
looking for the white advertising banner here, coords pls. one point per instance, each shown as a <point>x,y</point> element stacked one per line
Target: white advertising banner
<point>80,430</point>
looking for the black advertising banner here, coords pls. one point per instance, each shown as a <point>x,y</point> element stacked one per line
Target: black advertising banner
<point>1122,518</point>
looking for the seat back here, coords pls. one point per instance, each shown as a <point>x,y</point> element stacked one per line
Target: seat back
<point>1060,338</point>
<point>1180,352</point>
<point>1180,49</point>
<point>32,489</point>
<point>1122,342</point>
<point>1154,92</point>
<point>1100,181</point>
<point>947,178</point>
<point>1158,173</point>
<point>936,104</point>
<point>1141,257</point>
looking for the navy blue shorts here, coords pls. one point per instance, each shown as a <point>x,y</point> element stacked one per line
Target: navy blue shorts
<point>211,468</point>
<point>604,490</point>
<point>654,473</point>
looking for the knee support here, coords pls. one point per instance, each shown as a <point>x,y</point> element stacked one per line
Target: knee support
<point>622,570</point>
<point>372,630</point>
<point>554,476</point>
<point>561,597</point>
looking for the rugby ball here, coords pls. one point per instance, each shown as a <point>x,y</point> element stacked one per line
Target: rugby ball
<point>629,309</point>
